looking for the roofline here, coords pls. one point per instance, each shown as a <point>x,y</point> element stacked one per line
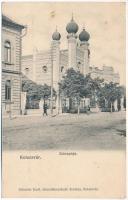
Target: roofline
<point>8,21</point>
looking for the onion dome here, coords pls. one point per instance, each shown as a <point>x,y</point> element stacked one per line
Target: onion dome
<point>56,35</point>
<point>72,26</point>
<point>84,35</point>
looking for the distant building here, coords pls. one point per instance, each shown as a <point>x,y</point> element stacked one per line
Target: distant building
<point>11,66</point>
<point>107,73</point>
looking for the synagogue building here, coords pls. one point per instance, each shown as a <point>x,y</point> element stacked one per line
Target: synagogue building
<point>42,65</point>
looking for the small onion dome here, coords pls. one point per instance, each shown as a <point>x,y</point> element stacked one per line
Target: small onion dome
<point>72,26</point>
<point>56,35</point>
<point>84,35</point>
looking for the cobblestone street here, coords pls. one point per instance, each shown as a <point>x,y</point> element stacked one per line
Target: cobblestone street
<point>105,131</point>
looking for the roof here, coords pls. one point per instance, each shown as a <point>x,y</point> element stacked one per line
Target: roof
<point>6,21</point>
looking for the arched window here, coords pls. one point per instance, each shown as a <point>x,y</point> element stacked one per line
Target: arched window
<point>7,51</point>
<point>88,53</point>
<point>44,68</point>
<point>62,68</point>
<point>79,65</point>
<point>8,90</point>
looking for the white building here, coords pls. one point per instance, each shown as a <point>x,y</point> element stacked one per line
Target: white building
<point>11,66</point>
<point>107,73</point>
<point>43,66</point>
<point>37,67</point>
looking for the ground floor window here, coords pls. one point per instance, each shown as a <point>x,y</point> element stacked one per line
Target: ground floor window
<point>8,90</point>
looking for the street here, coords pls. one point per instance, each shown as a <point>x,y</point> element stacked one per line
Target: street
<point>99,131</point>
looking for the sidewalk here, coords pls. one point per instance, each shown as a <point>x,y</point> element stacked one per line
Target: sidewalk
<point>70,115</point>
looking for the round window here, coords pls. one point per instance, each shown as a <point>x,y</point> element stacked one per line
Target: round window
<point>44,68</point>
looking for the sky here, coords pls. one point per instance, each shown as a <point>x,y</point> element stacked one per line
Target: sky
<point>104,21</point>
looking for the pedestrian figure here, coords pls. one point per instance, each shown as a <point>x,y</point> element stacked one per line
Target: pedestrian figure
<point>45,109</point>
<point>88,108</point>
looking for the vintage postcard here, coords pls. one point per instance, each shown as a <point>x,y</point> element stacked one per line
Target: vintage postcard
<point>63,99</point>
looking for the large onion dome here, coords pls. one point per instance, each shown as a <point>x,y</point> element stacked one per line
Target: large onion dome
<point>72,26</point>
<point>56,35</point>
<point>84,35</point>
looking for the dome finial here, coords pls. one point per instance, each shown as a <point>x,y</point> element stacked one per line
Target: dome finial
<point>72,17</point>
<point>84,35</point>
<point>56,35</point>
<point>72,26</point>
<point>83,26</point>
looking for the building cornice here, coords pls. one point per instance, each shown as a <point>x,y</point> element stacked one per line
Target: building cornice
<point>7,22</point>
<point>10,71</point>
<point>11,31</point>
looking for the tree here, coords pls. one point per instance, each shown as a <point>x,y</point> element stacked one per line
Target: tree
<point>108,93</point>
<point>75,86</point>
<point>35,91</point>
<point>71,86</point>
<point>123,94</point>
<point>30,87</point>
<point>92,87</point>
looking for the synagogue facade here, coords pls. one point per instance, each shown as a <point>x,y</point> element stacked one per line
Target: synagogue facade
<point>48,67</point>
<point>41,65</point>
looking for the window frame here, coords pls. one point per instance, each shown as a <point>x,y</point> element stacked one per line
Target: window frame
<point>8,90</point>
<point>62,69</point>
<point>45,69</point>
<point>7,51</point>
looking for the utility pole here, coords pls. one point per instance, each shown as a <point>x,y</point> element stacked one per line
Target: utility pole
<point>51,105</point>
<point>21,36</point>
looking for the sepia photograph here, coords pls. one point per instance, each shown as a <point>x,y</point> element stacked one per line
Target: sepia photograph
<point>63,87</point>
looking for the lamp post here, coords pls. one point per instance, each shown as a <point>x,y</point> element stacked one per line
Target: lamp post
<point>54,61</point>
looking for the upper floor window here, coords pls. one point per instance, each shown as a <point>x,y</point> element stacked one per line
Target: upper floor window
<point>8,90</point>
<point>44,68</point>
<point>62,68</point>
<point>7,51</point>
